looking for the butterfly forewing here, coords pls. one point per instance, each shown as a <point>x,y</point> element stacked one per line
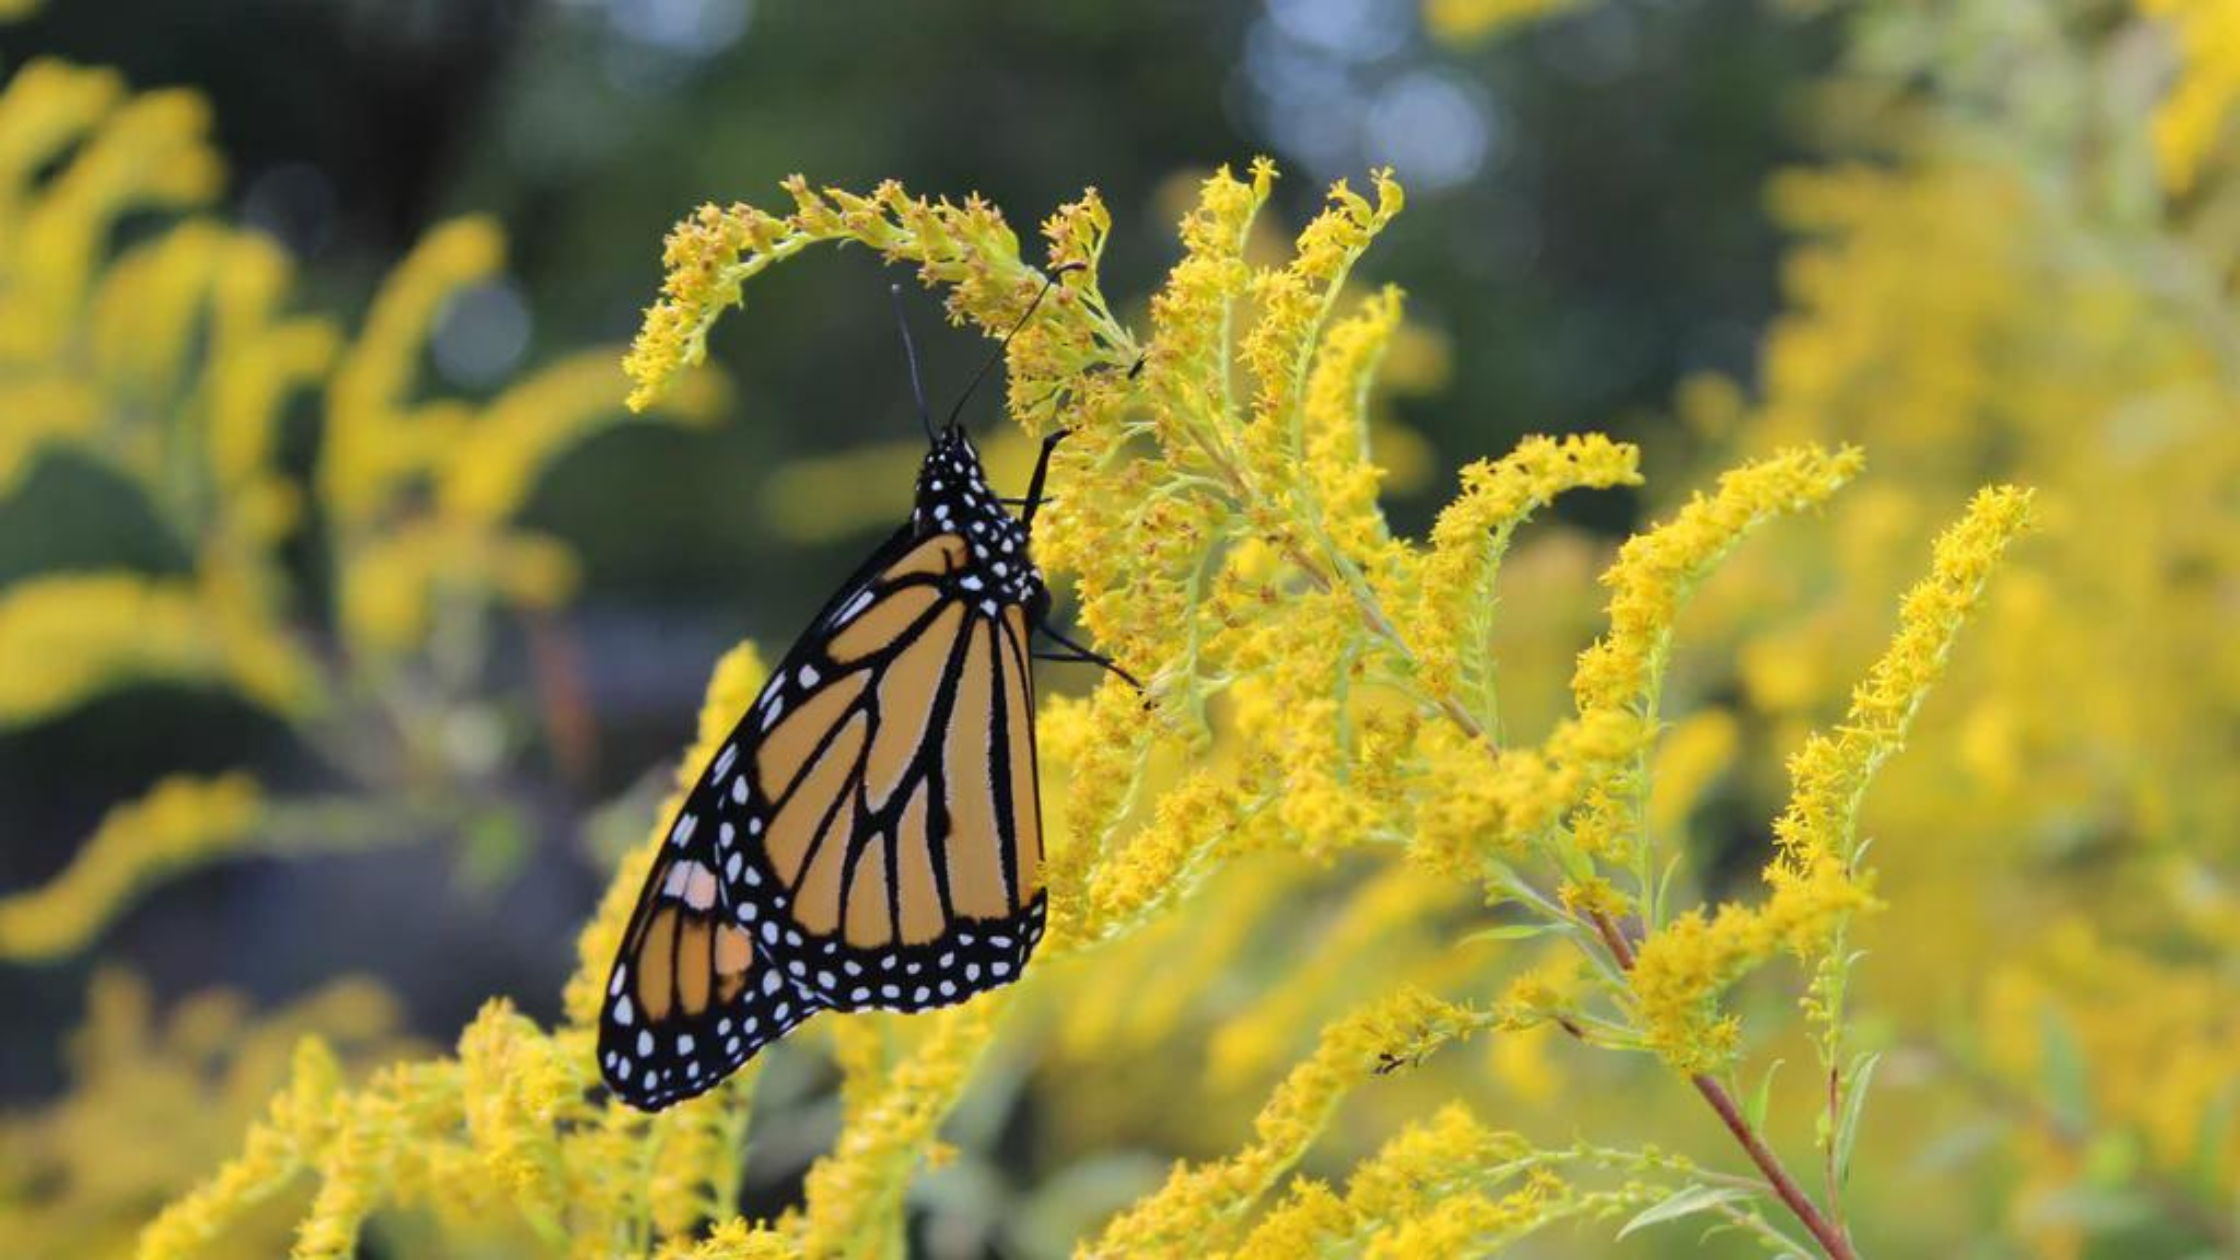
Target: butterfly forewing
<point>892,793</point>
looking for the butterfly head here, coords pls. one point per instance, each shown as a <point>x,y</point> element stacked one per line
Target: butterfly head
<point>953,497</point>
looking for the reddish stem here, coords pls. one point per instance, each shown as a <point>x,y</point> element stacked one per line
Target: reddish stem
<point>1831,1238</point>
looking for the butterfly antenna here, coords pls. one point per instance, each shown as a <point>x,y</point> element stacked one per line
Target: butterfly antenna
<point>987,365</point>
<point>910,352</point>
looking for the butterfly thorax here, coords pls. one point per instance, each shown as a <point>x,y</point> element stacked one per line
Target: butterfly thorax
<point>953,497</point>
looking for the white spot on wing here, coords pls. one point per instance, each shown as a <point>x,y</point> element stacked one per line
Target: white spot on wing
<point>851,608</point>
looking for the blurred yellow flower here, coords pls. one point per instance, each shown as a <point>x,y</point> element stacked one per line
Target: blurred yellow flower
<point>177,824</point>
<point>1465,22</point>
<point>2192,122</point>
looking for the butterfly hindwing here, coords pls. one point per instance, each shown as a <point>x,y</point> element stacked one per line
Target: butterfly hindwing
<point>692,996</point>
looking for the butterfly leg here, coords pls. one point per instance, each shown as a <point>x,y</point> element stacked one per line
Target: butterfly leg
<point>1034,497</point>
<point>1077,653</point>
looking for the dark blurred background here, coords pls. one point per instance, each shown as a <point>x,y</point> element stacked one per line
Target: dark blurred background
<point>1584,229</point>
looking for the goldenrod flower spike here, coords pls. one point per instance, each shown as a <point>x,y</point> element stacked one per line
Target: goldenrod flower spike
<point>1658,569</point>
<point>1454,614</point>
<point>302,1118</point>
<point>854,1194</point>
<point>1815,888</point>
<point>1203,1207</point>
<point>709,257</point>
<point>376,439</point>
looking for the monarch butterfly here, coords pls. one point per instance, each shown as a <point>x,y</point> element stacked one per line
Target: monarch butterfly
<point>869,837</point>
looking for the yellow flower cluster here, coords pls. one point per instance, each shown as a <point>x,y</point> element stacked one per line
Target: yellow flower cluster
<point>1815,886</point>
<point>711,255</point>
<point>1316,687</point>
<point>93,632</point>
<point>403,567</point>
<point>2073,992</point>
<point>169,356</point>
<point>854,1194</point>
<point>1657,570</point>
<point>1451,629</point>
<point>1200,1208</point>
<point>1291,305</point>
<point>1404,1181</point>
<point>186,1085</point>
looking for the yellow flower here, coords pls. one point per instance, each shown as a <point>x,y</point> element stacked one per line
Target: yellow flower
<point>1338,470</point>
<point>397,581</point>
<point>93,632</point>
<point>1164,860</point>
<point>43,412</point>
<point>47,106</point>
<point>735,1240</point>
<point>301,1117</point>
<point>1291,304</point>
<point>711,255</point>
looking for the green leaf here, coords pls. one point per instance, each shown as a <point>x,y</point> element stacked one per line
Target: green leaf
<point>1681,1203</point>
<point>1512,932</point>
<point>1760,1100</point>
<point>1854,1105</point>
<point>1662,895</point>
